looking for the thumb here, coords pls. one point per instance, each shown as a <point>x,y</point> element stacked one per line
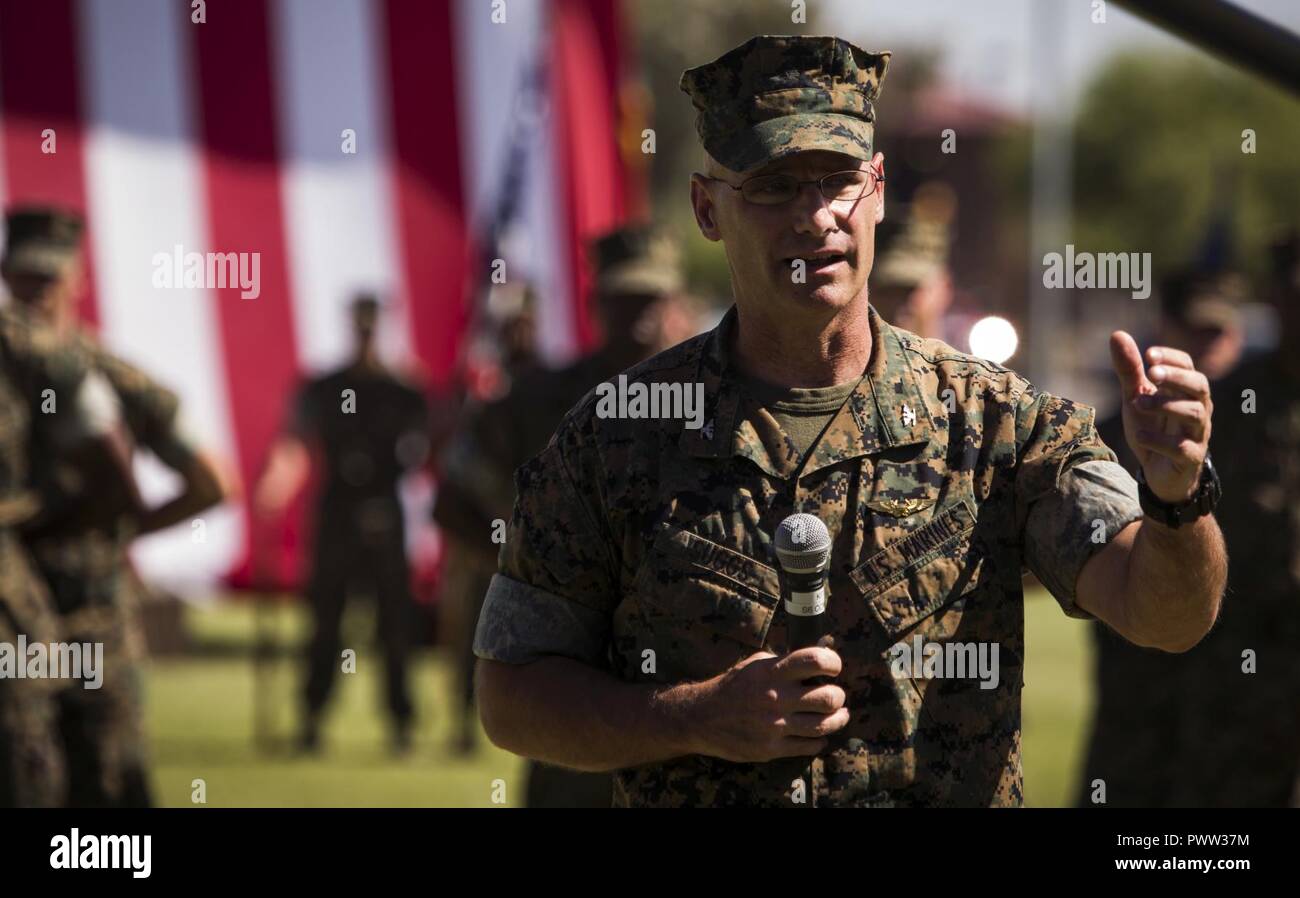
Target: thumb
<point>1127,362</point>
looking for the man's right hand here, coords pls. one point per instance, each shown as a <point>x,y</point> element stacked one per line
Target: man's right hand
<point>760,709</point>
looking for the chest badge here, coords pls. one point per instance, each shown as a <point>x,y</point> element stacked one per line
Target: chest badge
<point>909,416</point>
<point>708,429</point>
<point>899,508</point>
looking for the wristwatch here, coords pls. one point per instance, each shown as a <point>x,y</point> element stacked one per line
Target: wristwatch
<point>1175,515</point>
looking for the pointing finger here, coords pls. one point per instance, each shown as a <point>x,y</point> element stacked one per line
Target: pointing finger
<point>1127,362</point>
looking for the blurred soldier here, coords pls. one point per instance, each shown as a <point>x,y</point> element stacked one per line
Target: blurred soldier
<point>1197,730</point>
<point>371,427</point>
<point>910,283</point>
<point>1239,693</point>
<point>32,768</point>
<point>638,282</point>
<point>82,555</point>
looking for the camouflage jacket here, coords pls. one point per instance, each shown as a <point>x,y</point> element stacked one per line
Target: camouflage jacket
<point>940,479</point>
<point>39,377</point>
<point>83,554</point>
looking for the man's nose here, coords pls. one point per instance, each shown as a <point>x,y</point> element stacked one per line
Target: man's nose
<point>813,213</point>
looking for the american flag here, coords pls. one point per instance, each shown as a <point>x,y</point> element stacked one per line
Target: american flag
<point>354,145</point>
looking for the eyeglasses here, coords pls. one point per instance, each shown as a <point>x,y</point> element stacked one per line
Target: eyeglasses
<point>773,190</point>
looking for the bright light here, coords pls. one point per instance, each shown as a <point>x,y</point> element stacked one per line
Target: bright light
<point>993,338</point>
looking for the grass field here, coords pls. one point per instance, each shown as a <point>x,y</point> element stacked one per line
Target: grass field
<point>201,723</point>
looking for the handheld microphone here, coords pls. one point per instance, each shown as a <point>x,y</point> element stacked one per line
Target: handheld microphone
<point>803,549</point>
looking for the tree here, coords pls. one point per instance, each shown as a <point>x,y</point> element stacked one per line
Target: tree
<point>1159,156</point>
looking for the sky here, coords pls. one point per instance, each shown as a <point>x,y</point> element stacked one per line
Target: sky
<point>987,44</point>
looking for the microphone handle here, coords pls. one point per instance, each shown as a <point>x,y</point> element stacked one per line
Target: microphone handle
<point>807,593</point>
<point>805,607</point>
<point>805,631</point>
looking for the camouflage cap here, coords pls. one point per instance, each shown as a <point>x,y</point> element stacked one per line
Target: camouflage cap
<point>41,239</point>
<point>775,95</point>
<point>910,252</point>
<point>635,260</point>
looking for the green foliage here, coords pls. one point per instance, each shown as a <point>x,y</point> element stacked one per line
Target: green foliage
<point>1158,153</point>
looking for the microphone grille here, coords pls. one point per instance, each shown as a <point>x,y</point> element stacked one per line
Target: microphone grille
<point>802,542</point>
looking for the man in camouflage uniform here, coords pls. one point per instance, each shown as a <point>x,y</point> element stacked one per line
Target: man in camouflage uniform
<point>371,426</point>
<point>83,554</point>
<point>32,768</point>
<point>637,292</point>
<point>635,623</point>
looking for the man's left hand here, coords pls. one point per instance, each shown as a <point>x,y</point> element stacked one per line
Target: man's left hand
<point>1166,410</point>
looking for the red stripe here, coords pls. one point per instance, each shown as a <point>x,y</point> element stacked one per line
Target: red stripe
<point>241,175</point>
<point>39,89</point>
<point>583,93</point>
<point>426,169</point>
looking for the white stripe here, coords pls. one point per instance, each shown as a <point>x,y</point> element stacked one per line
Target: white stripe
<point>144,196</point>
<point>339,206</point>
<point>489,109</point>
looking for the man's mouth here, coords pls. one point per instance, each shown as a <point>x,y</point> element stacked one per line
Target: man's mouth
<point>817,261</point>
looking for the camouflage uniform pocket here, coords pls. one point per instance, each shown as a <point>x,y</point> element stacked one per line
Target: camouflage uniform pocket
<point>913,577</point>
<point>704,606</point>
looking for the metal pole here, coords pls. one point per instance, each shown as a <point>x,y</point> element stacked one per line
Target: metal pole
<point>1049,217</point>
<point>1237,36</point>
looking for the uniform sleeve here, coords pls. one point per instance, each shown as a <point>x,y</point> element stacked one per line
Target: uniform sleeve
<point>152,411</point>
<point>556,582</point>
<point>1072,497</point>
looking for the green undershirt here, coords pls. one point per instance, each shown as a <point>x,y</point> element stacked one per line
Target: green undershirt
<point>803,414</point>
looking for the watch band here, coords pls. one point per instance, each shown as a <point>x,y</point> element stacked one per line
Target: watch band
<point>1171,514</point>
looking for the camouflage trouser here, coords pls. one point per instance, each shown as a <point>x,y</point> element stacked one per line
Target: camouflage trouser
<point>31,759</point>
<point>103,729</point>
<point>103,737</point>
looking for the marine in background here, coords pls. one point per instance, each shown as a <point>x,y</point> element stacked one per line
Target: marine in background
<point>1216,727</point>
<point>911,285</point>
<point>641,309</point>
<point>369,427</point>
<point>80,551</point>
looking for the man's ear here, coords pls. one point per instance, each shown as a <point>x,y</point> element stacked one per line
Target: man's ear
<point>703,207</point>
